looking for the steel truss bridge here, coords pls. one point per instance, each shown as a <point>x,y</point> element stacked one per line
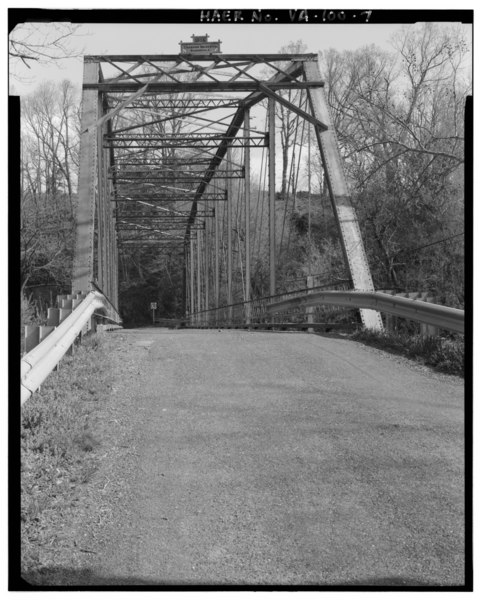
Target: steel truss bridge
<point>157,165</point>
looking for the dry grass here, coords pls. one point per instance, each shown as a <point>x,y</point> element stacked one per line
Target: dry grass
<point>58,447</point>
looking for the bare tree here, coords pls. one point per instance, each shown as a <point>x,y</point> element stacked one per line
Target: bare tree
<point>49,157</point>
<point>400,119</point>
<point>40,43</point>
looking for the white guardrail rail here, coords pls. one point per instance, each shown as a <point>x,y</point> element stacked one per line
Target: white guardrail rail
<point>452,319</point>
<point>37,364</point>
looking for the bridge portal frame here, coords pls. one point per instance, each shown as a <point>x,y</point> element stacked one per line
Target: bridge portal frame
<point>100,177</point>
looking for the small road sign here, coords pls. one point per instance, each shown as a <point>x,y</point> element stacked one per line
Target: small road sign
<point>154,305</point>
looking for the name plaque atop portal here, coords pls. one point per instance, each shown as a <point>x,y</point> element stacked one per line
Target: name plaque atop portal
<point>200,45</point>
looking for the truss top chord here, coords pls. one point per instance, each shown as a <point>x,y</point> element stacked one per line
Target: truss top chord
<point>177,58</point>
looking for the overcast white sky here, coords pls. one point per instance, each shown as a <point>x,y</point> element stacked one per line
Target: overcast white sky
<point>125,38</point>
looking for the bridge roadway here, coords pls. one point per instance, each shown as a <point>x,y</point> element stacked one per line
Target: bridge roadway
<point>282,459</point>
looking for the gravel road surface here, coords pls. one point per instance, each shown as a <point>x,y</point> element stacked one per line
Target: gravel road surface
<point>254,458</point>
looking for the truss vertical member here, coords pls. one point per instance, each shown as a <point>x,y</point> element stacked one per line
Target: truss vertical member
<point>198,272</point>
<point>247,219</point>
<point>217,254</point>
<point>271,192</point>
<point>107,254</point>
<point>207,258</point>
<point>100,207</point>
<point>346,218</point>
<point>186,278</point>
<point>229,260</point>
<point>192,275</point>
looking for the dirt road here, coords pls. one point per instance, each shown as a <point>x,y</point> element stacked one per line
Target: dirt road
<point>280,459</point>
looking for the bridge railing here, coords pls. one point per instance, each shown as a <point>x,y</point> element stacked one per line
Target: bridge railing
<point>443,317</point>
<point>319,306</point>
<point>255,312</point>
<point>37,364</point>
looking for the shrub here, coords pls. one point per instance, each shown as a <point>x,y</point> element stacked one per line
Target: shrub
<point>443,354</point>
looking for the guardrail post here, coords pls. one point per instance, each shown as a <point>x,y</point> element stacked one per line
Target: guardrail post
<point>425,329</point>
<point>75,304</point>
<point>59,299</point>
<point>44,331</point>
<point>428,330</point>
<point>64,312</point>
<point>31,337</point>
<point>53,316</point>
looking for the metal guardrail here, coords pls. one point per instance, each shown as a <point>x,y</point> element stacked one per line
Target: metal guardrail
<point>452,319</point>
<point>37,364</point>
<point>254,312</point>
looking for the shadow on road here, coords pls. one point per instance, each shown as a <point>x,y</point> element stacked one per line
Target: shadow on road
<point>60,578</point>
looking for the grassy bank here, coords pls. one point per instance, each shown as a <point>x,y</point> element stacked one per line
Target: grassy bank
<point>58,443</point>
<point>446,355</point>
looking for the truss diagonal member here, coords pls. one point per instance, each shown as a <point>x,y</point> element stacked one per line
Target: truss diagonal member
<point>119,107</point>
<point>221,63</point>
<point>294,108</point>
<point>124,72</point>
<point>294,70</point>
<point>201,70</point>
<point>200,73</point>
<point>123,104</point>
<point>241,71</point>
<point>169,118</point>
<point>275,68</point>
<point>160,70</point>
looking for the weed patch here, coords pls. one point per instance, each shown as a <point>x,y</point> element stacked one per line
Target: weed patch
<point>58,446</point>
<point>446,355</point>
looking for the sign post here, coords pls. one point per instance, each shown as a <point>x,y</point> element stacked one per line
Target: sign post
<point>154,306</point>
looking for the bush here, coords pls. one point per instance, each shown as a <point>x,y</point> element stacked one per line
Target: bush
<point>28,315</point>
<point>443,354</point>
